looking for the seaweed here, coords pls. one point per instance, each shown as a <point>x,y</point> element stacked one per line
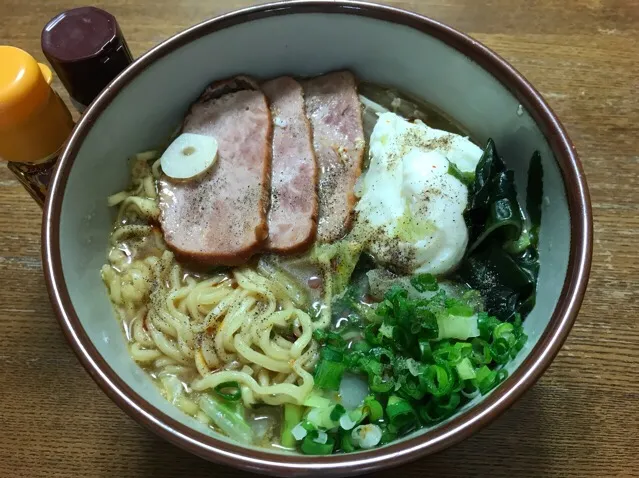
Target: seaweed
<point>502,261</point>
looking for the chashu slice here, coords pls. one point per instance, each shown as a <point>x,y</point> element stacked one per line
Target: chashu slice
<point>292,220</point>
<point>333,107</point>
<point>221,217</point>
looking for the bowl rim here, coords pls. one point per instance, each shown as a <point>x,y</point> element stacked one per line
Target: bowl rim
<point>445,435</point>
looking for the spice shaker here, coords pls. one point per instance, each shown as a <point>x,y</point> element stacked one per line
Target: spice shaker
<point>87,50</point>
<point>34,122</point>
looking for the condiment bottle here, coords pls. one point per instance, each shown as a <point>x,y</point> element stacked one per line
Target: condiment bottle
<point>87,50</point>
<point>34,122</point>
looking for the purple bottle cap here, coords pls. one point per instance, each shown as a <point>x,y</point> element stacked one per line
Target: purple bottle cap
<point>87,50</point>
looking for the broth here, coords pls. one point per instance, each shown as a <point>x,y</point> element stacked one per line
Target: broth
<point>257,351</point>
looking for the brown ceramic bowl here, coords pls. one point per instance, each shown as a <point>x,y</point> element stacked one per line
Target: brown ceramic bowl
<point>381,44</point>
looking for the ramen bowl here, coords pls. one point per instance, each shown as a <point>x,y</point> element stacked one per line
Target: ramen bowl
<point>385,45</point>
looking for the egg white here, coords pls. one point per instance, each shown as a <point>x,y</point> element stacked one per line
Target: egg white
<point>410,206</point>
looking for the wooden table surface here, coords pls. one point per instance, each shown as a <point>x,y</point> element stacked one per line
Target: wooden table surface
<point>581,419</point>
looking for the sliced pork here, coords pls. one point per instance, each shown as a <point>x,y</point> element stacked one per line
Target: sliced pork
<point>221,218</point>
<point>292,220</point>
<point>334,110</point>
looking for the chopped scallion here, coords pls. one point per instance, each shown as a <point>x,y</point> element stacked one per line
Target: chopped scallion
<point>367,436</point>
<point>346,442</point>
<point>311,447</point>
<point>298,432</point>
<point>337,412</point>
<point>424,282</point>
<point>400,412</point>
<point>465,369</point>
<point>328,374</point>
<point>229,391</point>
<point>292,418</point>
<point>374,408</point>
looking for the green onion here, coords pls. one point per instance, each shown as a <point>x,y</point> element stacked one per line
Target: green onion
<point>504,330</point>
<point>461,310</point>
<point>438,409</point>
<point>371,365</point>
<point>518,246</point>
<point>379,385</point>
<point>328,375</point>
<point>330,369</point>
<point>230,422</point>
<point>386,330</point>
<point>458,307</point>
<point>371,335</point>
<point>361,346</point>
<point>385,356</point>
<point>320,335</point>
<point>346,441</point>
<point>357,415</point>
<point>427,321</point>
<point>448,405</point>
<point>311,447</point>
<point>374,408</point>
<point>366,436</point>
<point>437,380</point>
<point>411,388</point>
<point>334,339</point>
<point>469,389</point>
<point>388,435</point>
<point>463,349</point>
<point>424,282</point>
<point>315,400</point>
<point>483,373</point>
<point>384,309</point>
<point>427,415</point>
<point>337,412</point>
<point>486,379</point>
<point>425,350</point>
<point>423,359</point>
<point>466,178</point>
<point>229,391</point>
<point>452,354</point>
<point>519,344</point>
<point>481,352</point>
<point>465,369</point>
<point>331,354</point>
<point>487,324</point>
<point>292,416</point>
<point>400,412</point>
<point>500,351</point>
<point>308,426</point>
<point>414,367</point>
<point>320,417</point>
<point>457,327</point>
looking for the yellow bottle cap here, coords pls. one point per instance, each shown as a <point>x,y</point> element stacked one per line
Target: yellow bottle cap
<point>34,122</point>
<point>24,85</point>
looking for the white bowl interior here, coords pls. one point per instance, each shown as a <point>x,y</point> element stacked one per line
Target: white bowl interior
<point>150,107</point>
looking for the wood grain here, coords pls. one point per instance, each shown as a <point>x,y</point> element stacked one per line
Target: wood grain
<point>581,419</point>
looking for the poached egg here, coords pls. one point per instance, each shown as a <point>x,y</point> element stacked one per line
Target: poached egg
<point>410,207</point>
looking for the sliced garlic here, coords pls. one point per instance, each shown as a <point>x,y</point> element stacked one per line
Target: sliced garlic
<point>189,155</point>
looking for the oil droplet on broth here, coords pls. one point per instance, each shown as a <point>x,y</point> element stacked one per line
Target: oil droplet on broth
<point>314,282</point>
